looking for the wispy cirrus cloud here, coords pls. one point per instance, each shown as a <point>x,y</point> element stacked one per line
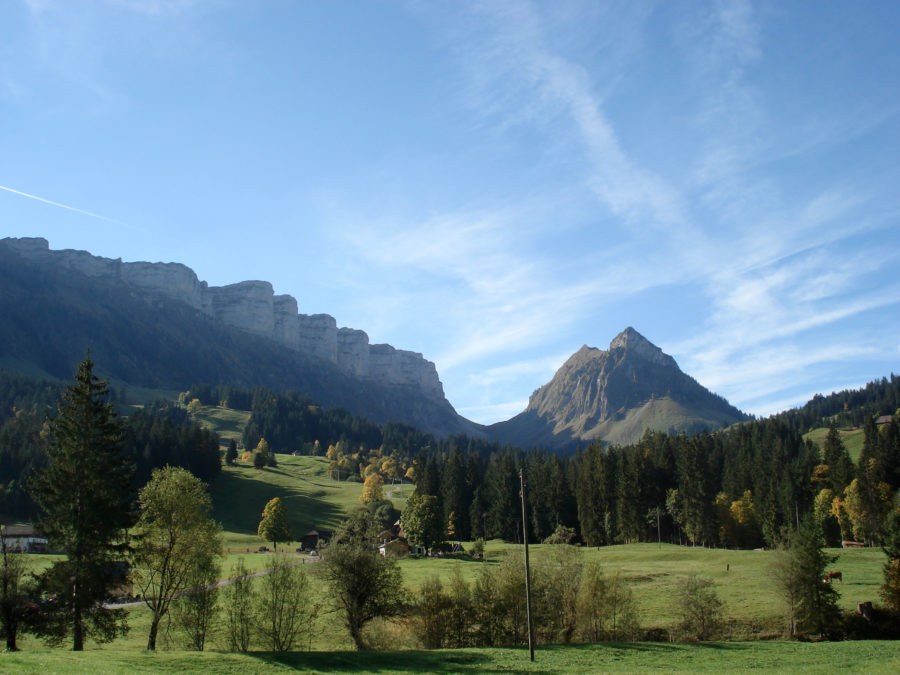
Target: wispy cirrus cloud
<point>62,206</point>
<point>773,265</point>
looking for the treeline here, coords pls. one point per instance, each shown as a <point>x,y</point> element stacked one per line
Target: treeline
<point>739,487</point>
<point>849,407</point>
<point>20,392</point>
<point>163,434</point>
<point>294,422</point>
<point>158,435</point>
<point>743,487</point>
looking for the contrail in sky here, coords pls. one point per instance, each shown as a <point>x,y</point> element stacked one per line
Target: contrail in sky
<point>62,206</point>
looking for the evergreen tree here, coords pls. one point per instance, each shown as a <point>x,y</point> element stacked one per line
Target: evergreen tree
<point>890,589</point>
<point>502,495</point>
<point>835,455</point>
<point>231,454</point>
<point>816,609</point>
<point>456,494</point>
<point>694,490</point>
<point>87,497</point>
<point>13,587</point>
<point>871,486</point>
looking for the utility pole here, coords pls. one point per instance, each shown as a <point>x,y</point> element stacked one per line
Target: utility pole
<point>527,570</point>
<point>658,530</point>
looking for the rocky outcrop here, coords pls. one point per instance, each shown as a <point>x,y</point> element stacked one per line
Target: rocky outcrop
<point>615,395</point>
<point>248,305</point>
<point>353,351</point>
<point>286,329</point>
<point>396,366</point>
<point>318,335</point>
<point>253,307</point>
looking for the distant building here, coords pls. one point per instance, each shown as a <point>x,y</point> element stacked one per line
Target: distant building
<point>396,547</point>
<point>313,539</point>
<point>24,538</point>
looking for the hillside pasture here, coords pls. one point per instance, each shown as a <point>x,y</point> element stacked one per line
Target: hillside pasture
<point>657,572</point>
<point>227,423</point>
<point>312,498</point>
<point>852,439</point>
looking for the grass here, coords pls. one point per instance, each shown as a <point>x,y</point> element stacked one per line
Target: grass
<point>656,573</point>
<point>227,423</point>
<point>852,439</point>
<point>783,657</point>
<point>312,498</point>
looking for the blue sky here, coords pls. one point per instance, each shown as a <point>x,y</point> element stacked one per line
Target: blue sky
<point>492,184</point>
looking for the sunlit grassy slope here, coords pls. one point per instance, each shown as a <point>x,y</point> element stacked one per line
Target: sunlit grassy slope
<point>312,498</point>
<point>228,423</point>
<point>852,439</point>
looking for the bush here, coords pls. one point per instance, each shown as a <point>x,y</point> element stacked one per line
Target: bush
<point>700,608</point>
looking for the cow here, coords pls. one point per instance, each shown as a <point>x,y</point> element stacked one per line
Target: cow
<point>831,576</point>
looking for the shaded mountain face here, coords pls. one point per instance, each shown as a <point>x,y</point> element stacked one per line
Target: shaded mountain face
<point>613,396</point>
<point>156,325</point>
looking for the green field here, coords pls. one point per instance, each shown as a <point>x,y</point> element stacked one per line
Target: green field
<point>314,500</point>
<point>227,423</point>
<point>851,438</point>
<point>716,657</point>
<point>656,574</point>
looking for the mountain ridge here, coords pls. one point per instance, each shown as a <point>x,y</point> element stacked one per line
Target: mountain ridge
<point>252,306</point>
<point>157,325</point>
<point>56,306</point>
<point>614,395</point>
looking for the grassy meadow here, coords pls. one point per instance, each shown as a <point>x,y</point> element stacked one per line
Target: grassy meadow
<point>655,573</point>
<point>227,423</point>
<point>851,438</point>
<point>312,498</point>
<point>875,657</point>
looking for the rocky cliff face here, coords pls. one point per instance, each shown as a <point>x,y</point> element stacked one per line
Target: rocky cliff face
<point>614,396</point>
<point>253,307</point>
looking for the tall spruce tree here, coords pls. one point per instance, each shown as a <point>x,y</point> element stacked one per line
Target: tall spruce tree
<point>87,497</point>
<point>817,611</point>
<point>835,455</point>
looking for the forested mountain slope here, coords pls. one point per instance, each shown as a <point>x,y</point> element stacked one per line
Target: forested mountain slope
<point>53,312</point>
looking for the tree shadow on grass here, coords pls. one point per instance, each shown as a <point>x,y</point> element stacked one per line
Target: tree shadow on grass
<point>438,661</point>
<point>622,646</point>
<point>490,660</point>
<point>239,499</point>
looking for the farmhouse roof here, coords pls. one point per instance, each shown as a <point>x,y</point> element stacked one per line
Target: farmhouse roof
<point>21,531</point>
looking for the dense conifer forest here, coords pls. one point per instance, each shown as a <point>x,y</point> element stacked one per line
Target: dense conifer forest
<point>157,435</point>
<point>739,487</point>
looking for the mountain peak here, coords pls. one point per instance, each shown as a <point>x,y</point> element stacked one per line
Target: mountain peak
<point>636,344</point>
<point>615,396</point>
<point>629,338</point>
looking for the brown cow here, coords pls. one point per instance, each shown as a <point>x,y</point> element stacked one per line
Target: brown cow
<point>831,576</point>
